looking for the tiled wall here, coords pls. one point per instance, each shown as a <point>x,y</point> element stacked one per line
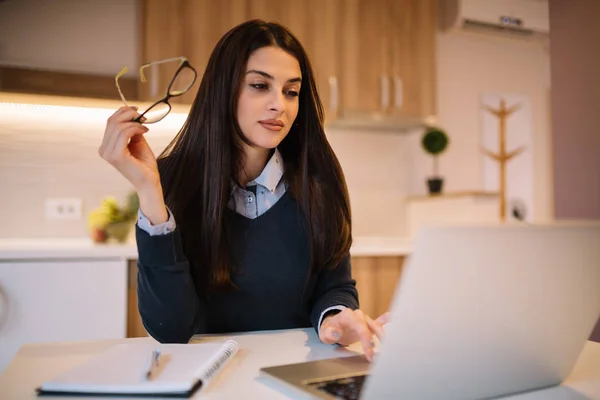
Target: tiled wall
<point>377,168</point>
<point>44,153</point>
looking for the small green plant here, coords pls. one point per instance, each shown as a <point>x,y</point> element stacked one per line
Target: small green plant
<point>434,142</point>
<point>112,220</point>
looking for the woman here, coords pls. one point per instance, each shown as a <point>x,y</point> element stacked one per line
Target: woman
<point>244,220</point>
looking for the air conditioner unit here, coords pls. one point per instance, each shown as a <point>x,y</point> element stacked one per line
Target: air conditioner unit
<point>522,18</point>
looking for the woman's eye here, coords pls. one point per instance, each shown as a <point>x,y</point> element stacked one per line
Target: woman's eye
<point>292,93</point>
<point>259,86</point>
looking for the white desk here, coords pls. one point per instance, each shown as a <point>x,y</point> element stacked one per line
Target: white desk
<point>36,363</point>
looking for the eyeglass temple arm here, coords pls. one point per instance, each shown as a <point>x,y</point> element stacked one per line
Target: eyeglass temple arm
<point>120,74</point>
<point>143,67</point>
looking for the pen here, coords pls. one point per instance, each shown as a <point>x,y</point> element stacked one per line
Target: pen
<point>153,364</point>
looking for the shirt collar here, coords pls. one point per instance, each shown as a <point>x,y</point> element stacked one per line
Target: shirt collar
<point>270,176</point>
<point>272,173</point>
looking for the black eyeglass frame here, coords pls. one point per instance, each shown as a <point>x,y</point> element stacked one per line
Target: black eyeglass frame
<point>184,63</point>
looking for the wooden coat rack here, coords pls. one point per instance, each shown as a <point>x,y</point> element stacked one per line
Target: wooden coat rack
<point>502,157</point>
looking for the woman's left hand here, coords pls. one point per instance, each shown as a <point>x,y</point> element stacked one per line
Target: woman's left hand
<point>350,326</point>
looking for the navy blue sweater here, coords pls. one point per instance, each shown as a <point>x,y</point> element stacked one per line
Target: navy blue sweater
<point>270,259</point>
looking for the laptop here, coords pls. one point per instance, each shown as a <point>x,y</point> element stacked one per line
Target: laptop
<point>479,312</point>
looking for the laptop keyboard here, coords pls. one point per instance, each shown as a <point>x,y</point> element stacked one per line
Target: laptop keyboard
<point>343,388</point>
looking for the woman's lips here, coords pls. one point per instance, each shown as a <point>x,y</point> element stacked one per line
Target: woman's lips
<point>272,125</point>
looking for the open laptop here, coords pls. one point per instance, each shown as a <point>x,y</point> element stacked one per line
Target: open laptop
<point>479,312</point>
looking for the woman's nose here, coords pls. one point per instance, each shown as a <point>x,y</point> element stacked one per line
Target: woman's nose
<point>277,102</point>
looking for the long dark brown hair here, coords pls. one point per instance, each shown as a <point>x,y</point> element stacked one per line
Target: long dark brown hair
<point>198,166</point>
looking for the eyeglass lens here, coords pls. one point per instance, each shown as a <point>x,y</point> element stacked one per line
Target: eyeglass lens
<point>156,112</point>
<point>182,81</point>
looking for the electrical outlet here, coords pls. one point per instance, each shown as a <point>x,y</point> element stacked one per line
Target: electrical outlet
<point>63,208</point>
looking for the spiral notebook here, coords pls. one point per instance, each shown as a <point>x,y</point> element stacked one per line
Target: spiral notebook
<point>181,370</point>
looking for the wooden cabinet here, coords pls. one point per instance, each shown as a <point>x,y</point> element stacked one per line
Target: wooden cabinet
<point>60,300</point>
<point>376,279</point>
<point>369,56</point>
<point>364,52</point>
<point>388,57</point>
<point>191,28</point>
<point>413,56</point>
<point>316,24</point>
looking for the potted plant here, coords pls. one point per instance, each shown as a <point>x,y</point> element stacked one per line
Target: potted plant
<point>434,142</point>
<point>113,221</point>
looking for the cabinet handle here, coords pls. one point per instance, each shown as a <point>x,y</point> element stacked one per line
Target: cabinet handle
<point>398,93</point>
<point>333,93</point>
<point>385,92</point>
<point>4,307</point>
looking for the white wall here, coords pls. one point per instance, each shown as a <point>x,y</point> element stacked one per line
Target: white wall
<point>38,159</point>
<point>375,165</point>
<point>47,152</point>
<point>467,65</point>
<point>94,36</point>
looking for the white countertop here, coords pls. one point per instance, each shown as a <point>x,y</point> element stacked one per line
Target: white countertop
<point>241,378</point>
<point>15,249</point>
<point>19,249</point>
<point>380,246</point>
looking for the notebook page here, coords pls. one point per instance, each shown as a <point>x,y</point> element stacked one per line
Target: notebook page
<point>121,369</point>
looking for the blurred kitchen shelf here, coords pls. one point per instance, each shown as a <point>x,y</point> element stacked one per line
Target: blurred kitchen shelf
<point>70,101</point>
<point>378,122</point>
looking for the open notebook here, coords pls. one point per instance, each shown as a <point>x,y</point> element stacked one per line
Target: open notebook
<point>182,369</point>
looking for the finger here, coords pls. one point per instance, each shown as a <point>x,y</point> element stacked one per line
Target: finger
<point>124,109</point>
<point>364,333</point>
<point>383,318</point>
<point>330,335</point>
<point>111,136</point>
<point>125,115</point>
<point>126,135</point>
<point>375,327</point>
<point>121,142</point>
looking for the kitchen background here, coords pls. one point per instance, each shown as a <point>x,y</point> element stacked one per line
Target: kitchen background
<point>44,154</point>
<point>49,151</point>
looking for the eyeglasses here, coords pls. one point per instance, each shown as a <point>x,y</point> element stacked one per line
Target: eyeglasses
<point>182,81</point>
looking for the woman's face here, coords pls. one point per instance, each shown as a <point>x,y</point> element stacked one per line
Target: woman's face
<point>268,101</point>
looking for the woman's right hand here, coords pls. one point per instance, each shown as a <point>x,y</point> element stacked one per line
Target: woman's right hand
<point>126,149</point>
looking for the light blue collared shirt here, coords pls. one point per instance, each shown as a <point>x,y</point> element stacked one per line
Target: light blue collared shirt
<point>251,202</point>
<point>261,193</point>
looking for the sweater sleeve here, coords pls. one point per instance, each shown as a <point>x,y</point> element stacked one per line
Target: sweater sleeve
<point>334,287</point>
<point>170,308</point>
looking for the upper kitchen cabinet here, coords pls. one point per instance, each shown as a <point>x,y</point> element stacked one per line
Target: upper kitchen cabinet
<point>365,56</point>
<point>316,24</point>
<point>322,41</point>
<point>191,28</point>
<point>68,48</point>
<point>412,32</point>
<point>388,60</point>
<point>373,60</point>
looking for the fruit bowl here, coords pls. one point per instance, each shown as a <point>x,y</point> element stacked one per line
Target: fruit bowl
<point>118,231</point>
<point>110,221</point>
